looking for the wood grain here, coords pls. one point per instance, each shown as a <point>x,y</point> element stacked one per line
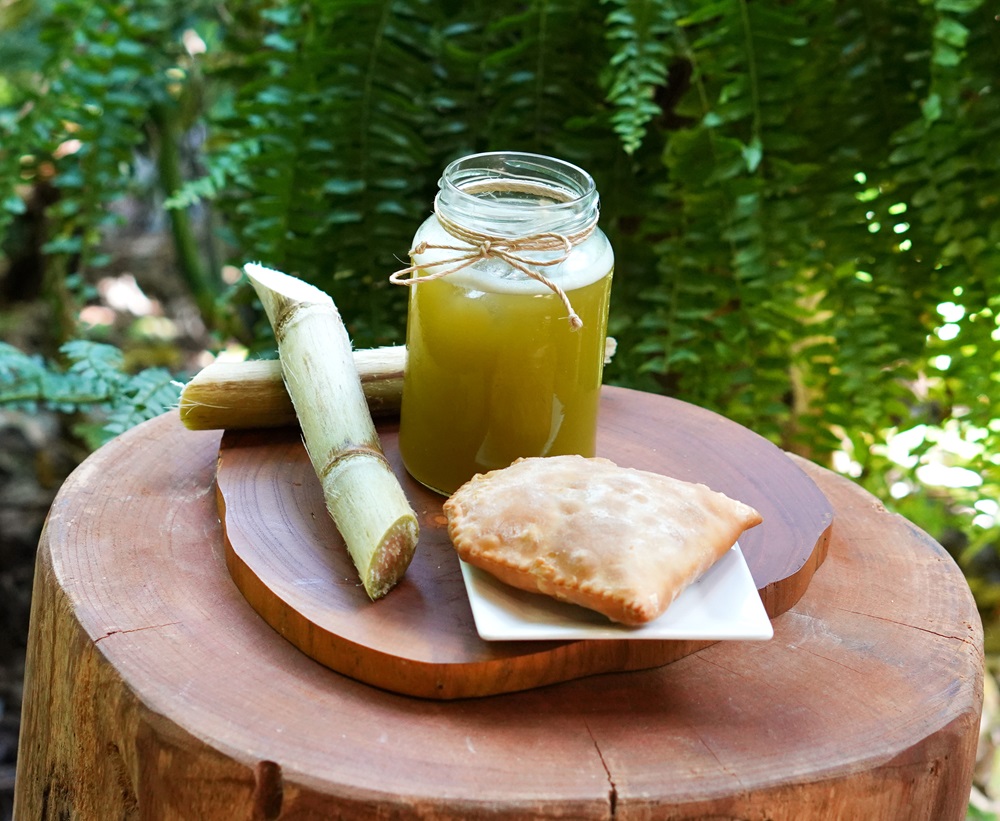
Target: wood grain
<point>287,558</point>
<point>154,691</point>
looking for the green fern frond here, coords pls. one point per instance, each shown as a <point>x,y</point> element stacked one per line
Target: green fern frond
<point>21,377</point>
<point>228,169</point>
<point>94,383</point>
<point>640,31</point>
<point>147,394</point>
<point>96,363</point>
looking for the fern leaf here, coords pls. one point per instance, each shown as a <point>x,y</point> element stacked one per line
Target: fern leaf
<point>148,394</point>
<point>639,29</point>
<point>97,364</point>
<point>21,378</point>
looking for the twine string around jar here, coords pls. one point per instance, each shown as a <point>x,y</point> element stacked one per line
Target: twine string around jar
<point>480,245</point>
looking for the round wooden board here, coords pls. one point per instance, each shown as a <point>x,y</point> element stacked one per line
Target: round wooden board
<point>285,555</point>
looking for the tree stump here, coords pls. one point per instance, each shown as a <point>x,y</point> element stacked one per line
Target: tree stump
<point>154,690</point>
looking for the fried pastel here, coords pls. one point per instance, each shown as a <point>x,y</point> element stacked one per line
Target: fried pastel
<point>620,541</point>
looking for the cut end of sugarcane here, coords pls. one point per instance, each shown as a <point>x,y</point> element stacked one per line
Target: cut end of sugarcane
<point>392,557</point>
<point>288,286</point>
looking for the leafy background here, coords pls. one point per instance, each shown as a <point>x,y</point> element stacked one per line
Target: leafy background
<point>802,198</point>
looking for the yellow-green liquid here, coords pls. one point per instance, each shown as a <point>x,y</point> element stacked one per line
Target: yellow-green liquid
<point>491,377</point>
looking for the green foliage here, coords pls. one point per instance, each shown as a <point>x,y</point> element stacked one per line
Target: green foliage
<point>83,119</point>
<point>975,814</point>
<point>330,210</point>
<point>802,199</point>
<point>94,383</point>
<point>340,115</point>
<point>641,31</point>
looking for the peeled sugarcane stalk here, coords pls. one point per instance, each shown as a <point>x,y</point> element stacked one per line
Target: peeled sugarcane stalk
<point>362,494</point>
<point>252,394</point>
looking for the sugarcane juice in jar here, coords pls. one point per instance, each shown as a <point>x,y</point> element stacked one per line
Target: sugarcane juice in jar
<point>495,372</point>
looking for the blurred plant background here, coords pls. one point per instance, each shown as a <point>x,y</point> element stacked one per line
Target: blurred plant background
<point>803,202</point>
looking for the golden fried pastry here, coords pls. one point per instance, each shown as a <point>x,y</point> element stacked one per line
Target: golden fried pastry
<point>620,541</point>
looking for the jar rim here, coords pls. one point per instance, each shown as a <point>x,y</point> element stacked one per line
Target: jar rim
<point>573,183</point>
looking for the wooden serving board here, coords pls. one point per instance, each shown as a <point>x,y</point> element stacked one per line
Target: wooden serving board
<point>286,557</point>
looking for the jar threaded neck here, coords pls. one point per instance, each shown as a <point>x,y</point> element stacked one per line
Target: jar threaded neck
<point>516,193</point>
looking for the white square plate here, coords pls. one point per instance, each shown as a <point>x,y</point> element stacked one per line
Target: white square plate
<point>722,604</point>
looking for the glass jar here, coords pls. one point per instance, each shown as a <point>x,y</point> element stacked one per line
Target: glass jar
<point>503,272</point>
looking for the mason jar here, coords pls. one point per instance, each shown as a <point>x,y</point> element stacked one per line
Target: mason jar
<point>507,319</point>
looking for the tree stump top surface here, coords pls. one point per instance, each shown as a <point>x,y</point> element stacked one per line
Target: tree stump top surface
<point>865,704</point>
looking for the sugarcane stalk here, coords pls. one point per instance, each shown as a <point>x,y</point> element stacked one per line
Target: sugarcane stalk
<point>362,493</point>
<point>252,394</point>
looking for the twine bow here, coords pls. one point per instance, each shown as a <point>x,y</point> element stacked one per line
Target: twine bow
<point>512,250</point>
